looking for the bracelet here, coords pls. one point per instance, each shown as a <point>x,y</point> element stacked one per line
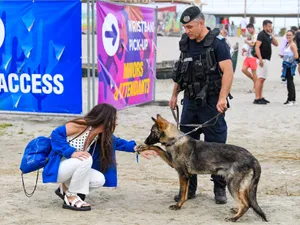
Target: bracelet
<point>137,157</point>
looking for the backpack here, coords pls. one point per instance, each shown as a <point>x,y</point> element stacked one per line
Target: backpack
<point>34,158</point>
<point>35,154</point>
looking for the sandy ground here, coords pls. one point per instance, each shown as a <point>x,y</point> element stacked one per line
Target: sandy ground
<point>146,189</point>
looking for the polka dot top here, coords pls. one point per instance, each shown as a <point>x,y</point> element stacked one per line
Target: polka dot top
<point>78,142</point>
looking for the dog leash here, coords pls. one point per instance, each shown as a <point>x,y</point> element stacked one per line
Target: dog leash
<point>206,124</point>
<point>197,126</point>
<point>176,118</point>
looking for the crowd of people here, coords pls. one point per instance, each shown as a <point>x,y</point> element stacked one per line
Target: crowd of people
<point>257,50</point>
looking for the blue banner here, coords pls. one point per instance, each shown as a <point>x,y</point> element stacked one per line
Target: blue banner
<point>40,56</point>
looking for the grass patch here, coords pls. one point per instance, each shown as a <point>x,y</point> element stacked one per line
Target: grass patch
<point>5,125</point>
<point>2,133</point>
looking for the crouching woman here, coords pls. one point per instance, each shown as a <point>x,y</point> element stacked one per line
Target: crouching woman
<point>83,156</point>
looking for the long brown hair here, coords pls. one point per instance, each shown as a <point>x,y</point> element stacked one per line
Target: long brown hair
<point>106,115</point>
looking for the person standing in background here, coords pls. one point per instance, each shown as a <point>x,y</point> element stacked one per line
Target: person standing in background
<point>290,55</point>
<point>250,61</point>
<point>232,28</point>
<point>252,20</point>
<point>243,26</point>
<point>263,49</point>
<point>297,41</point>
<point>284,41</point>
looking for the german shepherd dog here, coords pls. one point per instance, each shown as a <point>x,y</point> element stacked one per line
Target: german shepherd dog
<point>189,156</point>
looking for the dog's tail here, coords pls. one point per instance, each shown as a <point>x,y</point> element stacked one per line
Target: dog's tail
<point>253,189</point>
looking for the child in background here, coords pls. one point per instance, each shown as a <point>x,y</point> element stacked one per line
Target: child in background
<point>246,46</point>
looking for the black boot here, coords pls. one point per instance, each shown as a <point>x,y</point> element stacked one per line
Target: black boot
<point>220,195</point>
<point>191,191</point>
<point>190,196</point>
<point>219,189</point>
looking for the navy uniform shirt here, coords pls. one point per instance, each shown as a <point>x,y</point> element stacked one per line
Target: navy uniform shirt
<point>221,48</point>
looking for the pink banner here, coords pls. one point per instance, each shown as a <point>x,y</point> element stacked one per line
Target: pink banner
<point>126,54</point>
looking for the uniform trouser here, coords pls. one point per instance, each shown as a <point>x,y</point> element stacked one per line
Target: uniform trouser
<point>78,175</point>
<point>290,85</point>
<point>192,114</point>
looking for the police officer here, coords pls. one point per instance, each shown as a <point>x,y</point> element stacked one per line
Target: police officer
<point>204,72</point>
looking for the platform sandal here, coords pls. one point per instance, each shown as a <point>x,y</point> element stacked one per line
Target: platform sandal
<point>76,204</point>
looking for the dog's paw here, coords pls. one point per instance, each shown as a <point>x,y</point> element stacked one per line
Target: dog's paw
<point>230,219</point>
<point>234,210</point>
<point>141,148</point>
<point>174,207</point>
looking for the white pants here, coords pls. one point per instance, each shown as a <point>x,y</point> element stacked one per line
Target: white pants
<point>78,175</point>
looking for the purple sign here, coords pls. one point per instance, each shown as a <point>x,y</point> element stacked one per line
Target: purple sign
<point>126,54</point>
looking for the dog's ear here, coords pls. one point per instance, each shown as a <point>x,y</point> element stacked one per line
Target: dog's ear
<point>161,122</point>
<point>154,120</point>
<point>159,117</point>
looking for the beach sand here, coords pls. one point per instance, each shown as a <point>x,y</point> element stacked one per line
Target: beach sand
<point>146,189</point>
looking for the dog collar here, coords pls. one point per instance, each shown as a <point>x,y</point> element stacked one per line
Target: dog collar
<point>166,144</point>
<point>169,143</point>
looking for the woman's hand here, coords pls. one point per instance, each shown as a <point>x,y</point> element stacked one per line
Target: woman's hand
<point>81,155</point>
<point>147,153</point>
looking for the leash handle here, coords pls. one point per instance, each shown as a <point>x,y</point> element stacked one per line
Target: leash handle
<point>176,116</point>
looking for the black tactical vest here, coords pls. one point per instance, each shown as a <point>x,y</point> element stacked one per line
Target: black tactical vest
<point>194,73</point>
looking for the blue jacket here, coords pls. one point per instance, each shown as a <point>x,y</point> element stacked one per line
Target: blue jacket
<point>286,65</point>
<point>61,147</point>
